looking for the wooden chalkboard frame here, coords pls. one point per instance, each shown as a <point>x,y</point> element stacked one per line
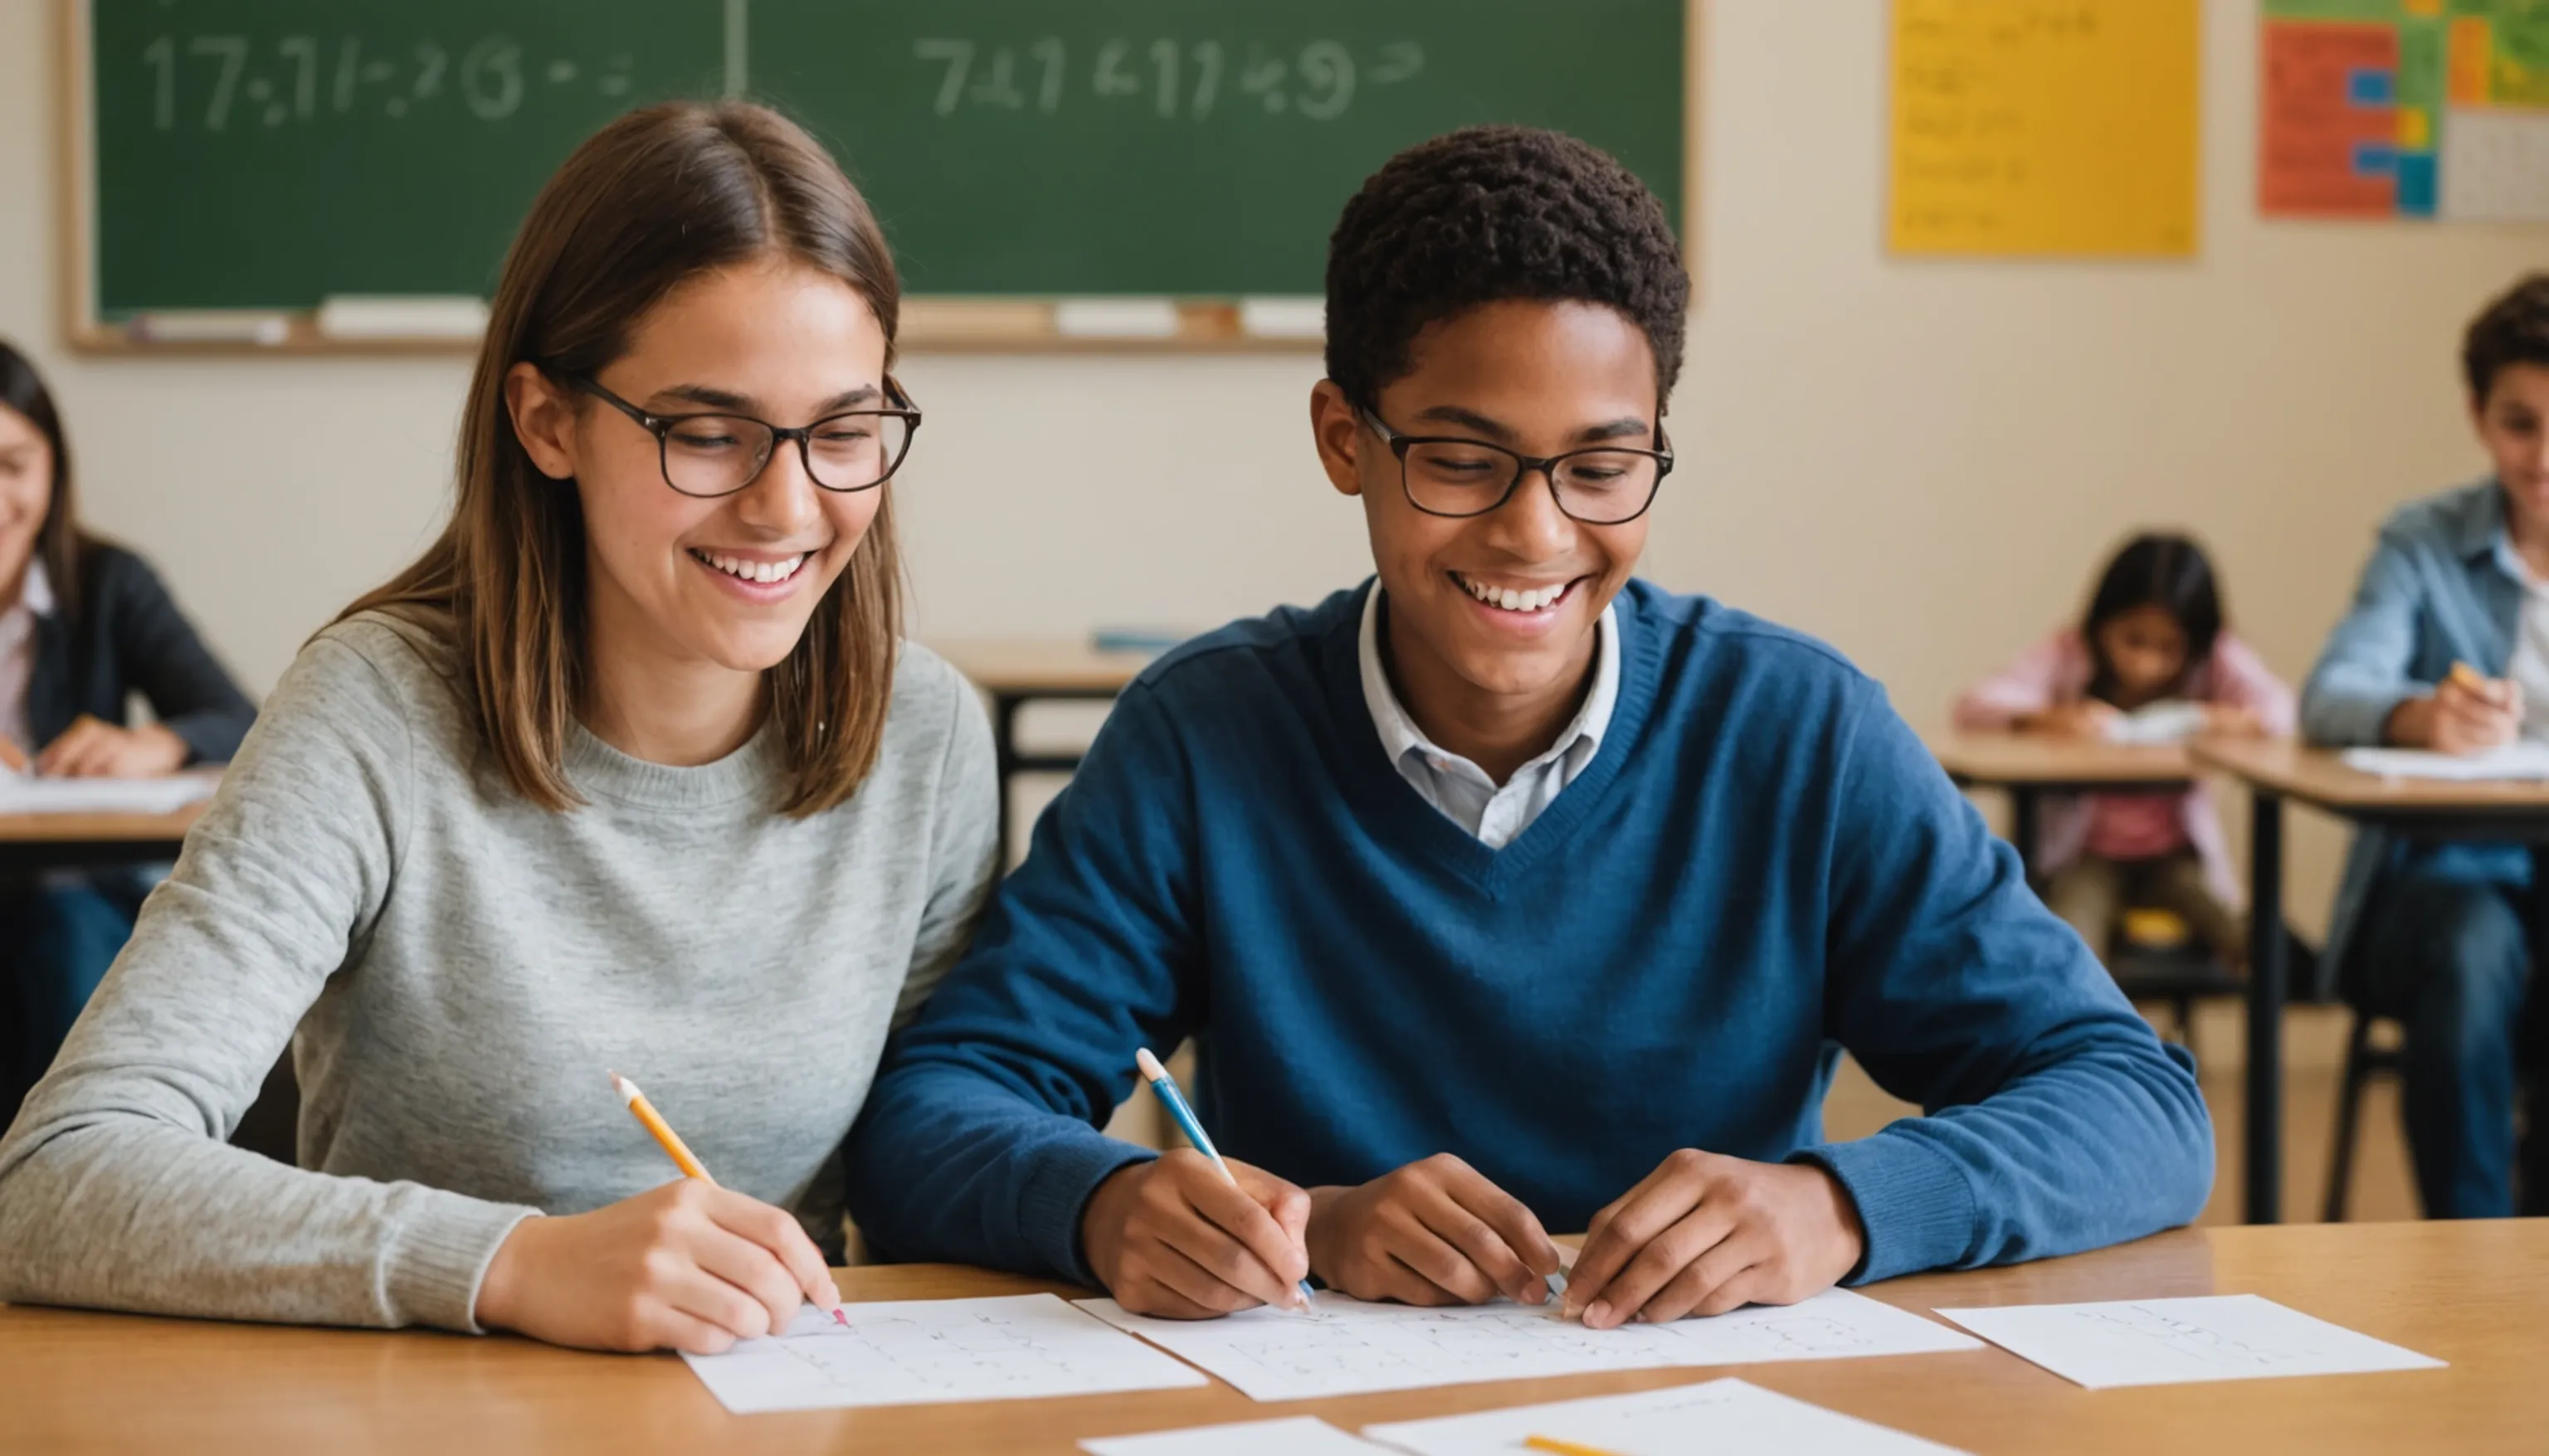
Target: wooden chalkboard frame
<point>931,323</point>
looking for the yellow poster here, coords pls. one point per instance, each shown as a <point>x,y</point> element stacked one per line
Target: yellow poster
<point>2045,127</point>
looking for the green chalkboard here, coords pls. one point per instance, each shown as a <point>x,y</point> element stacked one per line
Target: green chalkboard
<point>267,153</point>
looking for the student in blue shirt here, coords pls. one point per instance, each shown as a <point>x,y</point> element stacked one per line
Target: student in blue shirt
<point>2441,936</point>
<point>1506,893</point>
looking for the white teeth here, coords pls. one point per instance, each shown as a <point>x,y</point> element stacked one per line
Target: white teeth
<point>1539,600</point>
<point>764,572</point>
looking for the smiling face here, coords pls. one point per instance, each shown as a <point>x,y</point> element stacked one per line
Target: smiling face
<point>1498,608</point>
<point>26,496</point>
<point>2513,424</point>
<point>729,581</point>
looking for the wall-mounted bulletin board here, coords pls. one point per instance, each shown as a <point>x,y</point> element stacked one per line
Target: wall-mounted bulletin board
<point>2046,128</point>
<point>345,174</point>
<point>2404,109</point>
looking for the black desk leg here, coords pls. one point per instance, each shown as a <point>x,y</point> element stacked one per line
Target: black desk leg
<point>2022,827</point>
<point>2265,1190</point>
<point>1004,758</point>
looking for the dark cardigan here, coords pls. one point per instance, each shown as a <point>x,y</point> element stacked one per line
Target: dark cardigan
<point>126,635</point>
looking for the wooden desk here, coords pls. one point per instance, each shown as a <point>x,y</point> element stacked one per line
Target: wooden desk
<point>2425,809</point>
<point>2028,766</point>
<point>1016,671</point>
<point>2468,1293</point>
<point>31,844</point>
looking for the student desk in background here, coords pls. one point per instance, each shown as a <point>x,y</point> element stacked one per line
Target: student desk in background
<point>2466,1293</point>
<point>32,845</point>
<point>1016,671</point>
<point>2029,765</point>
<point>2420,809</point>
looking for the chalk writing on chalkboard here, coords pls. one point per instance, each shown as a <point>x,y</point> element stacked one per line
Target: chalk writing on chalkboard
<point>1179,78</point>
<point>221,82</point>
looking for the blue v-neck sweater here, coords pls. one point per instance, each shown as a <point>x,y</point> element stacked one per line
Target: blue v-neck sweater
<point>1760,866</point>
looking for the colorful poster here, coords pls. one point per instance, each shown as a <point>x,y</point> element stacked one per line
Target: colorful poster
<point>2045,127</point>
<point>2405,109</point>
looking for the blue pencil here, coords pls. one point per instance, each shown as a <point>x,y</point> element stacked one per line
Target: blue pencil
<point>1166,1087</point>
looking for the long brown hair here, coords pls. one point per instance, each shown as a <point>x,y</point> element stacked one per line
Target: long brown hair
<point>60,544</point>
<point>659,196</point>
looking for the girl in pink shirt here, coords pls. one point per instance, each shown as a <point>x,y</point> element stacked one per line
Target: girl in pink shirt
<point>2153,635</point>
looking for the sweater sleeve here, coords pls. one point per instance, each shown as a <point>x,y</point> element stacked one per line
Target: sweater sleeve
<point>2363,673</point>
<point>2053,1120</point>
<point>117,1187</point>
<point>981,1143</point>
<point>2030,684</point>
<point>964,851</point>
<point>186,685</point>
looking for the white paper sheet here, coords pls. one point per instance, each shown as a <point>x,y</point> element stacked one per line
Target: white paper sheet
<point>26,793</point>
<point>2521,761</point>
<point>1721,1417</point>
<point>1349,1347</point>
<point>1302,1435</point>
<point>2173,721</point>
<point>915,1352</point>
<point>2231,1336</point>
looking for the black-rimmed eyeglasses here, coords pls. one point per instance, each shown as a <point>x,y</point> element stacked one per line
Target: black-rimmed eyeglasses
<point>1449,475</point>
<point>708,455</point>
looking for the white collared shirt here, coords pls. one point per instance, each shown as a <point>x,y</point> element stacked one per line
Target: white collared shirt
<point>1461,788</point>
<point>18,651</point>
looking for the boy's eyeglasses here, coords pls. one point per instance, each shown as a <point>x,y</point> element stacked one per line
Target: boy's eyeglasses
<point>711,455</point>
<point>1604,486</point>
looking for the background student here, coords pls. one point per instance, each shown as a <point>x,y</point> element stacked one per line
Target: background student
<point>84,626</point>
<point>2444,936</point>
<point>630,770</point>
<point>2154,634</point>
<point>1507,893</point>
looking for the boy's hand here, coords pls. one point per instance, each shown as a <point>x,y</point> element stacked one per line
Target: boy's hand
<point>1168,1237</point>
<point>2467,714</point>
<point>1433,1233</point>
<point>2087,718</point>
<point>689,1266</point>
<point>1706,1234</point>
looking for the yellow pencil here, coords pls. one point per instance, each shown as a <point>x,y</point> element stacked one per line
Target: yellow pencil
<point>674,1148</point>
<point>1563,1448</point>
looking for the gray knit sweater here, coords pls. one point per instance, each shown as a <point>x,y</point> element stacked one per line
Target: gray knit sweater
<point>455,969</point>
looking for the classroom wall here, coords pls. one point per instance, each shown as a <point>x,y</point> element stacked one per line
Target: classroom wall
<point>1921,461</point>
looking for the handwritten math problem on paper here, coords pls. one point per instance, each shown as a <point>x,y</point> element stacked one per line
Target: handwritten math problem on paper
<point>2232,1337</point>
<point>928,1352</point>
<point>1350,1347</point>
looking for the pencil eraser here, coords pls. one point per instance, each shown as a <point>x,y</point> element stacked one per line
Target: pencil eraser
<point>1150,1066</point>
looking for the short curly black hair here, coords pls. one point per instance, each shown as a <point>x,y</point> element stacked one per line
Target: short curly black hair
<point>1492,213</point>
<point>2512,330</point>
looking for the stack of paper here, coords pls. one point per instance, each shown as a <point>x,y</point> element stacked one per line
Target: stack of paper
<point>25,793</point>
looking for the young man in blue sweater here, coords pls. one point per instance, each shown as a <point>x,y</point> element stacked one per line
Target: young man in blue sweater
<point>1507,893</point>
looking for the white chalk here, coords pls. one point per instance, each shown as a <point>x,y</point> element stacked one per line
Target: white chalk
<point>383,316</point>
<point>212,325</point>
<point>1284,318</point>
<point>1115,318</point>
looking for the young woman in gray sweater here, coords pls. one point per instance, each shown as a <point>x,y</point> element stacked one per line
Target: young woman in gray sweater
<point>631,771</point>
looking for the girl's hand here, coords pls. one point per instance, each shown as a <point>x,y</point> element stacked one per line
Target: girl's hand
<point>1168,1237</point>
<point>2229,720</point>
<point>2087,718</point>
<point>92,748</point>
<point>690,1266</point>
